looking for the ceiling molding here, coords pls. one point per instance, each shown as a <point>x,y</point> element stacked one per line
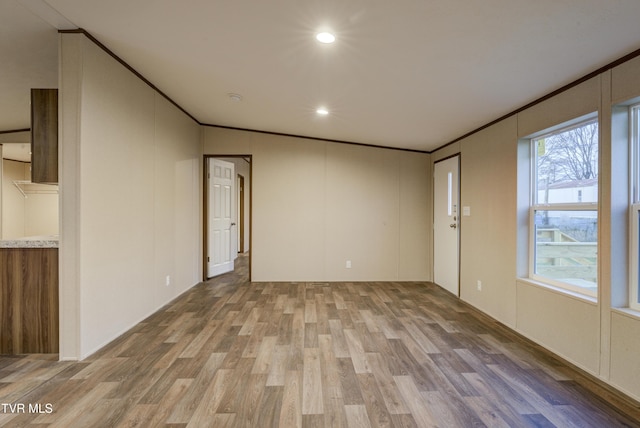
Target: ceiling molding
<point>560,90</point>
<point>328,140</point>
<point>128,67</point>
<point>155,88</point>
<point>13,131</point>
<point>609,66</point>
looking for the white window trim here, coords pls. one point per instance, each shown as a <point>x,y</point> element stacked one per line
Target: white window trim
<point>634,206</point>
<point>634,153</point>
<point>634,243</point>
<point>535,206</point>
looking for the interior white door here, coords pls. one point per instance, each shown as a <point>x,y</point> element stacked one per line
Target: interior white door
<point>446,217</point>
<point>221,223</point>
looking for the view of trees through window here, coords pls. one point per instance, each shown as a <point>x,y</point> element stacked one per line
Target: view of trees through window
<point>565,211</point>
<point>570,155</point>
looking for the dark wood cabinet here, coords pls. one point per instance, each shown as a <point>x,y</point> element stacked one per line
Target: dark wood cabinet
<point>29,300</point>
<point>44,136</point>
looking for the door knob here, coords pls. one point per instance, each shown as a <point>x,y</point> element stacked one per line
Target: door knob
<point>453,225</point>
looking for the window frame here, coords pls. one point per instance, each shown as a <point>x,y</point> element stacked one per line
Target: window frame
<point>535,205</point>
<point>634,153</point>
<point>634,257</point>
<point>634,206</point>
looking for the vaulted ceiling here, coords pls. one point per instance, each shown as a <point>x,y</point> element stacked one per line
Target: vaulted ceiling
<point>412,74</point>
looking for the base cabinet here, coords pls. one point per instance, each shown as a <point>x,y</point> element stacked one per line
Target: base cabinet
<point>28,300</point>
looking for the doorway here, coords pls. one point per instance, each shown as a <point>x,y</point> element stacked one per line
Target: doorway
<point>227,213</point>
<point>241,213</point>
<point>446,222</point>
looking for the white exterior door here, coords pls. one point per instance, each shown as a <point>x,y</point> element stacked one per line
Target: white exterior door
<point>445,224</point>
<point>221,223</point>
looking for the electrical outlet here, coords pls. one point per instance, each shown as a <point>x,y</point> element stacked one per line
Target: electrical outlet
<point>348,264</point>
<point>479,285</point>
<point>168,280</point>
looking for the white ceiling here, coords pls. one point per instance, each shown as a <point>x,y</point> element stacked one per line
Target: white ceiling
<point>28,59</point>
<point>414,74</point>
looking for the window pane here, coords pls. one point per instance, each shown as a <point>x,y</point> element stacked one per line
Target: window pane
<point>635,150</point>
<point>567,165</point>
<point>636,273</point>
<point>634,257</point>
<point>634,254</point>
<point>566,247</point>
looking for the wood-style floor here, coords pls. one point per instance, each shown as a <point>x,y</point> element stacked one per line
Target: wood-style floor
<point>229,353</point>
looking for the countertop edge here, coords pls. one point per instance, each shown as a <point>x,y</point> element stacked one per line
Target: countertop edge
<point>29,243</point>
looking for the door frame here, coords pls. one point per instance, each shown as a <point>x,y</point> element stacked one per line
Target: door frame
<point>240,196</point>
<point>459,216</point>
<point>205,208</point>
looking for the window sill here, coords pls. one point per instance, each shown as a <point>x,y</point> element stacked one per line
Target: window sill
<point>559,290</point>
<point>629,312</point>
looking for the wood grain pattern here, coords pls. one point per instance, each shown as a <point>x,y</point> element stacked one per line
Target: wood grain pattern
<point>44,135</point>
<point>28,300</point>
<point>239,354</point>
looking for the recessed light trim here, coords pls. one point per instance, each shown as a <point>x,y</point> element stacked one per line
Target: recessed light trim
<point>235,97</point>
<point>325,37</point>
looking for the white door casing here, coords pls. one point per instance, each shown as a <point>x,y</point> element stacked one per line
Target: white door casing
<point>446,216</point>
<point>221,222</point>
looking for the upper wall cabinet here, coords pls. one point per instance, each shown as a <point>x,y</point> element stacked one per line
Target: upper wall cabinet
<point>44,135</point>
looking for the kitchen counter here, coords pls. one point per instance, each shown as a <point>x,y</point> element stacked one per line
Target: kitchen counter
<point>48,241</point>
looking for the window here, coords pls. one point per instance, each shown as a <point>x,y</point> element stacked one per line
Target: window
<point>634,227</point>
<point>564,208</point>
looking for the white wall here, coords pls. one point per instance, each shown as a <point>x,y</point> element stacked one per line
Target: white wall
<point>488,235</point>
<point>131,199</point>
<point>20,216</point>
<point>621,328</point>
<point>318,204</point>
<point>597,336</point>
<point>41,214</point>
<point>566,325</point>
<point>35,214</point>
<point>13,203</point>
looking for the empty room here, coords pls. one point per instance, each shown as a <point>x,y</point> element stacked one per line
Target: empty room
<point>319,213</point>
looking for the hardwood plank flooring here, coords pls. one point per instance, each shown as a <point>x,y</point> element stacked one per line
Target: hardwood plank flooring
<point>230,353</point>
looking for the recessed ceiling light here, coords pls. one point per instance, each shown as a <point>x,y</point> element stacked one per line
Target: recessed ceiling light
<point>325,37</point>
<point>322,111</point>
<point>235,97</point>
